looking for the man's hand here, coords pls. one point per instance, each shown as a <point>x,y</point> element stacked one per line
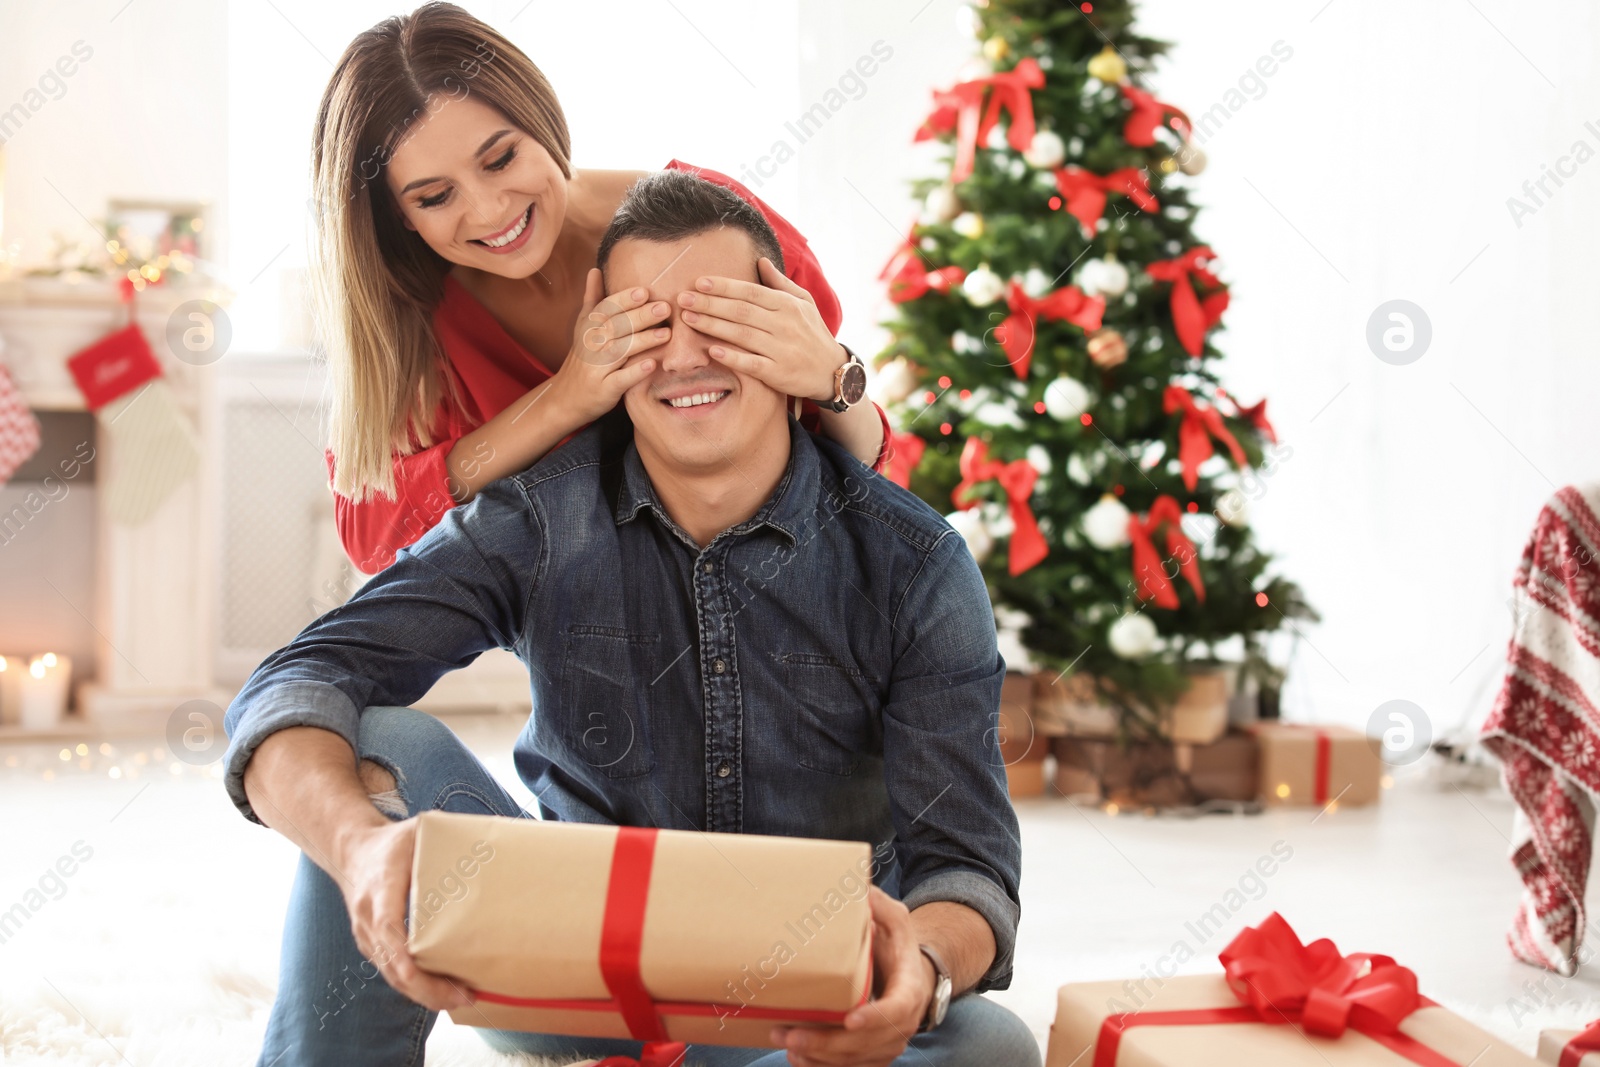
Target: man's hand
<point>876,1032</point>
<point>374,874</point>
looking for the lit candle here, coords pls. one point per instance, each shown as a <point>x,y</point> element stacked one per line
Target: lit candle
<point>44,688</point>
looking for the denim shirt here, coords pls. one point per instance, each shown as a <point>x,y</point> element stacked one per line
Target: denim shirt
<point>826,668</point>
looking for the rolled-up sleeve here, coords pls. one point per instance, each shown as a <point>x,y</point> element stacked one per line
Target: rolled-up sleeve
<point>957,833</point>
<point>459,590</point>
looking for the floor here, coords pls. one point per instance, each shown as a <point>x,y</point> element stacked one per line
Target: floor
<point>160,947</point>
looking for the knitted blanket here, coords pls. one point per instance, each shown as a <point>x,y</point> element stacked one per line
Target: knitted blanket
<point>1545,726</point>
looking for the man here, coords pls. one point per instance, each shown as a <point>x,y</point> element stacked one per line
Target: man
<point>731,625</point>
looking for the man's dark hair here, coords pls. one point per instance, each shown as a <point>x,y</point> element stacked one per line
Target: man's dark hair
<point>673,204</point>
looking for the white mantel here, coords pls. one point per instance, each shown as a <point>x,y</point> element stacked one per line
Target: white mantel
<point>152,604</point>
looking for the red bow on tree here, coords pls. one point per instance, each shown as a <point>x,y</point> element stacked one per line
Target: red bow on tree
<point>1017,478</point>
<point>958,108</point>
<point>1192,316</point>
<point>905,452</point>
<point>1149,572</point>
<point>1148,113</point>
<point>1200,424</point>
<point>1083,192</point>
<point>654,1054</point>
<point>1016,333</point>
<point>1257,414</point>
<point>913,279</point>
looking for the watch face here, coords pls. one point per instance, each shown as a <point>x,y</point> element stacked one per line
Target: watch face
<point>853,383</point>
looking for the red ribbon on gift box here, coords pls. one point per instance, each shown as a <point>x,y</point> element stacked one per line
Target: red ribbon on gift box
<point>621,938</point>
<point>1279,980</point>
<point>1322,772</point>
<point>1573,1051</point>
<point>958,109</point>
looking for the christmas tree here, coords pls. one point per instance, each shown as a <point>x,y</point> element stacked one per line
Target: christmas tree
<point>1051,371</point>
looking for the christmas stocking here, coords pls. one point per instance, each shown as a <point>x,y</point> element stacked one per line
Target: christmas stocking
<point>19,430</point>
<point>151,447</point>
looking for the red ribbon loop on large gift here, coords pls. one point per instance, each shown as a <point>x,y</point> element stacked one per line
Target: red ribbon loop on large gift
<point>1017,478</point>
<point>913,279</point>
<point>1587,1041</point>
<point>1192,315</point>
<point>958,108</point>
<point>1200,424</point>
<point>654,1054</point>
<point>1149,573</point>
<point>1067,304</point>
<point>905,452</point>
<point>1279,980</point>
<point>1147,114</point>
<point>1084,192</point>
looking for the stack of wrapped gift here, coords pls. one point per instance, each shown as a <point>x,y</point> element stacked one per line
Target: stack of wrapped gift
<point>1571,1048</point>
<point>657,935</point>
<point>1023,746</point>
<point>1278,1002</point>
<point>1317,765</point>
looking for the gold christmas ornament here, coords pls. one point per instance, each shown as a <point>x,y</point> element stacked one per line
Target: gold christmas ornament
<point>1190,159</point>
<point>996,49</point>
<point>1107,348</point>
<point>1108,66</point>
<point>1167,165</point>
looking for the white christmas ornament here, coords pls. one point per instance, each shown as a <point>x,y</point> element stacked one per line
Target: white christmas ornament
<point>1047,150</point>
<point>1234,509</point>
<point>998,415</point>
<point>893,382</point>
<point>1132,636</point>
<point>1066,398</point>
<point>1039,456</point>
<point>1077,469</point>
<point>968,225</point>
<point>1103,277</point>
<point>1036,283</point>
<point>969,524</point>
<point>983,286</point>
<point>941,204</point>
<point>1106,524</point>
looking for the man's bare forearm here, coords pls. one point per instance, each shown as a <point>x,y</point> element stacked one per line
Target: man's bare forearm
<point>304,783</point>
<point>961,937</point>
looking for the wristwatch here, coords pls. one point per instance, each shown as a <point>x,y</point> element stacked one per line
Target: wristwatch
<point>940,1002</point>
<point>849,383</point>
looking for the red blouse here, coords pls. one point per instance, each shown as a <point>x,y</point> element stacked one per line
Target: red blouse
<point>492,370</point>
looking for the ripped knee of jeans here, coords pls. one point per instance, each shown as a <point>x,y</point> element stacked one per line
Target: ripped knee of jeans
<point>382,790</point>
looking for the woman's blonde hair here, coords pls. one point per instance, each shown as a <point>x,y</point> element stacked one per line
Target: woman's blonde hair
<point>376,283</point>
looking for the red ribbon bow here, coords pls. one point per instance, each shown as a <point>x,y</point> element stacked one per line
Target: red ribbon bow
<point>1017,478</point>
<point>1588,1040</point>
<point>1083,192</point>
<point>1192,316</point>
<point>1200,424</point>
<point>1150,576</point>
<point>905,452</point>
<point>1279,980</point>
<point>1068,303</point>
<point>654,1054</point>
<point>1257,414</point>
<point>913,279</point>
<point>958,108</point>
<point>1147,114</point>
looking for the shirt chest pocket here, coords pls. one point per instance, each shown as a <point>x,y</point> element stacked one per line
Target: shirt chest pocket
<point>606,710</point>
<point>829,712</point>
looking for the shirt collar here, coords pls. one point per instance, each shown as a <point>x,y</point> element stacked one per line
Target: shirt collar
<point>786,510</point>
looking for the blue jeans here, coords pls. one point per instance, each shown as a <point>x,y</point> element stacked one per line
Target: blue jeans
<point>334,1007</point>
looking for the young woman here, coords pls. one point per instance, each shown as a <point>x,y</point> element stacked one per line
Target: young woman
<point>468,334</point>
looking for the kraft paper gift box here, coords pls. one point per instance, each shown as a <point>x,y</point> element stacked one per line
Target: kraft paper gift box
<point>1201,1021</point>
<point>1070,706</point>
<point>1226,769</point>
<point>1200,714</point>
<point>655,935</point>
<point>1554,1044</point>
<point>1317,765</point>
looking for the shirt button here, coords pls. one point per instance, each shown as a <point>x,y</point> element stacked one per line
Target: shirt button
<point>723,770</point>
<point>719,666</point>
<point>708,567</point>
